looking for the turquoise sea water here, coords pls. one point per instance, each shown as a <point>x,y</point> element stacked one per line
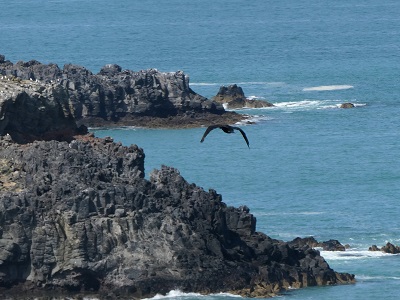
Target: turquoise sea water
<point>312,169</point>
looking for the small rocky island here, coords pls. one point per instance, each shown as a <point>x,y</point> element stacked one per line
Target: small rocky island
<point>232,96</point>
<point>77,214</point>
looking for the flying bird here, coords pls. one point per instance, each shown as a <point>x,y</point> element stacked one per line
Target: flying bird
<point>226,129</point>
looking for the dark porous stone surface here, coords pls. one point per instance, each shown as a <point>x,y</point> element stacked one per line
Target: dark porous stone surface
<point>233,97</point>
<point>32,110</point>
<point>123,97</point>
<point>79,216</point>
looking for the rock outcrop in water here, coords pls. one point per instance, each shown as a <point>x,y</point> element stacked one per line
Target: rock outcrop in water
<point>347,105</point>
<point>388,248</point>
<point>233,97</point>
<point>145,98</point>
<point>330,245</point>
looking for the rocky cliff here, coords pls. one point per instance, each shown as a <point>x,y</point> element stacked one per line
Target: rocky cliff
<point>80,216</point>
<point>143,98</point>
<point>35,111</point>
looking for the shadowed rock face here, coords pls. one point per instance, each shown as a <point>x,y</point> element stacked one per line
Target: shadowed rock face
<point>115,94</point>
<point>35,111</point>
<point>80,216</point>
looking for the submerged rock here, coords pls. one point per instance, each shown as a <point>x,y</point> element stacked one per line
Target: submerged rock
<point>330,245</point>
<point>374,248</point>
<point>347,105</point>
<point>80,216</point>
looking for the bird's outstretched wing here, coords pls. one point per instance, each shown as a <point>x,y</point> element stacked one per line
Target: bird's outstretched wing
<point>243,134</point>
<point>209,128</point>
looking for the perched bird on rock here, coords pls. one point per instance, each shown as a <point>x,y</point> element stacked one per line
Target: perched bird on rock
<point>226,129</point>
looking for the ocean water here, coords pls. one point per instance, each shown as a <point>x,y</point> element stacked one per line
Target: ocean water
<point>312,169</point>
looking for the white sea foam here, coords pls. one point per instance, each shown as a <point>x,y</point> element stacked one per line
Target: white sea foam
<point>299,104</point>
<point>254,119</point>
<point>272,83</point>
<point>253,97</point>
<point>373,278</point>
<point>174,294</point>
<point>328,88</point>
<point>359,104</point>
<point>180,294</point>
<point>312,104</point>
<point>226,295</point>
<point>296,105</point>
<point>130,128</point>
<point>353,254</point>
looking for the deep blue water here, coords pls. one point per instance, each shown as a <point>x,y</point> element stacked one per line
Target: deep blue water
<point>313,169</point>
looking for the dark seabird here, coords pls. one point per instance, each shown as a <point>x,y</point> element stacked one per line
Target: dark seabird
<point>226,129</point>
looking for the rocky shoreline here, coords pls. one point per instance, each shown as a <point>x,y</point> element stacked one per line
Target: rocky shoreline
<point>80,216</point>
<point>77,214</point>
<point>116,97</point>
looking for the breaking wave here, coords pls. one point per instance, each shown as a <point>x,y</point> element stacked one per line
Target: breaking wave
<point>300,104</point>
<point>374,278</point>
<point>182,295</point>
<point>353,254</point>
<point>328,88</point>
<point>254,119</point>
<point>310,104</point>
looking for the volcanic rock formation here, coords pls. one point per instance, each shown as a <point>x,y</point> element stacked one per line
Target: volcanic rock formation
<point>388,248</point>
<point>35,111</point>
<point>78,215</point>
<point>143,98</point>
<point>233,97</point>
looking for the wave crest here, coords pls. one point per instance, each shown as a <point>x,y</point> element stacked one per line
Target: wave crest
<point>328,88</point>
<point>180,294</point>
<point>353,254</point>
